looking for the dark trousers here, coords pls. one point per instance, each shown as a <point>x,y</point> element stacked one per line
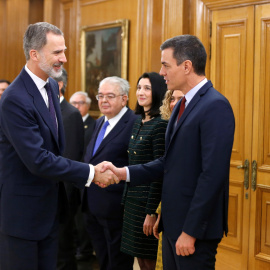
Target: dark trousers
<point>66,250</point>
<point>106,239</point>
<point>82,238</point>
<point>204,257</point>
<point>21,254</point>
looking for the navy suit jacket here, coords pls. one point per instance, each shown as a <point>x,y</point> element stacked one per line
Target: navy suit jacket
<point>89,126</point>
<point>30,161</point>
<point>74,131</point>
<point>106,202</point>
<point>74,145</point>
<point>195,167</point>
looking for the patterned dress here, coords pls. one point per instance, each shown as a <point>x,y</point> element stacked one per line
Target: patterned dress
<point>146,144</point>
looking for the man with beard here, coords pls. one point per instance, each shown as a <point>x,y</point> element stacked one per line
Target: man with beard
<point>32,200</point>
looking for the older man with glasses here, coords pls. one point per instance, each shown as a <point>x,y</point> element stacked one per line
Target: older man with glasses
<point>104,212</point>
<point>82,102</point>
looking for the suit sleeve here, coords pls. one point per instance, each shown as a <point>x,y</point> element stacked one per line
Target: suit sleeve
<point>22,129</point>
<point>146,173</point>
<point>217,132</point>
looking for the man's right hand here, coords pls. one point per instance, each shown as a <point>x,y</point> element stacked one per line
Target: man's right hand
<point>119,172</point>
<point>105,177</point>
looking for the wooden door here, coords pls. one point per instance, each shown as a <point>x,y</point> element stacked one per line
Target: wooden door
<point>240,69</point>
<point>231,72</point>
<point>259,247</point>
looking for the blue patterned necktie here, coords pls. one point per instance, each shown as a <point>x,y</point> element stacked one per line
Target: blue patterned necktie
<point>51,106</point>
<point>100,136</point>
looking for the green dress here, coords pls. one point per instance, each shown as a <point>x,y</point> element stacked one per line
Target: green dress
<point>147,143</point>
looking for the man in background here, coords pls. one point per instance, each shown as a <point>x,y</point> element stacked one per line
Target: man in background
<point>74,135</point>
<point>82,102</point>
<point>3,85</point>
<point>103,207</point>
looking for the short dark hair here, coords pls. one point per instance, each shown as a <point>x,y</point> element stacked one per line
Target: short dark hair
<point>188,47</point>
<point>6,81</point>
<point>35,36</point>
<point>159,89</point>
<point>63,78</point>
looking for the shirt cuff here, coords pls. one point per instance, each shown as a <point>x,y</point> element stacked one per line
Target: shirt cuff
<point>91,175</point>
<point>128,176</point>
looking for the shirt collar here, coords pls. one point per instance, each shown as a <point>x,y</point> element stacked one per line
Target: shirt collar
<point>85,117</point>
<point>61,98</point>
<point>113,121</point>
<point>38,82</point>
<point>190,94</point>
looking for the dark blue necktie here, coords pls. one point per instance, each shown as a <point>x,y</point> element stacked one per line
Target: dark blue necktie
<point>51,106</point>
<point>100,136</point>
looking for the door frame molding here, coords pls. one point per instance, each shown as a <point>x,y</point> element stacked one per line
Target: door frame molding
<point>200,11</point>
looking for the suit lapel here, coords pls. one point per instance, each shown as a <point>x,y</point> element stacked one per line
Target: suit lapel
<point>90,147</point>
<point>172,130</point>
<point>56,102</point>
<point>171,124</point>
<point>114,132</point>
<point>87,122</point>
<point>40,104</point>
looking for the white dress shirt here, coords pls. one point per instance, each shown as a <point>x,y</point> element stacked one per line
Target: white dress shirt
<point>113,121</point>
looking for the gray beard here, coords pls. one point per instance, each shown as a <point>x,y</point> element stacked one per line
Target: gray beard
<point>50,71</point>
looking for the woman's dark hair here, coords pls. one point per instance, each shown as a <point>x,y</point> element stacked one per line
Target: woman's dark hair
<point>159,89</point>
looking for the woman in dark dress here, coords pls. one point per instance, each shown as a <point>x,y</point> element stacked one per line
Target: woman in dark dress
<point>147,143</point>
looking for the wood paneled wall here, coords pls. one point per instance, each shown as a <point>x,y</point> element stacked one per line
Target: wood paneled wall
<point>150,23</point>
<point>147,30</point>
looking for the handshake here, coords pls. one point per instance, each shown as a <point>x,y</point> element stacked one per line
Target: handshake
<point>107,174</point>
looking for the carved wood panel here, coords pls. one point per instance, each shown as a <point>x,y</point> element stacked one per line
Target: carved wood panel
<point>231,71</point>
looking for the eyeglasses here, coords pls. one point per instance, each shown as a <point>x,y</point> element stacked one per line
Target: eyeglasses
<point>107,97</point>
<point>80,103</point>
